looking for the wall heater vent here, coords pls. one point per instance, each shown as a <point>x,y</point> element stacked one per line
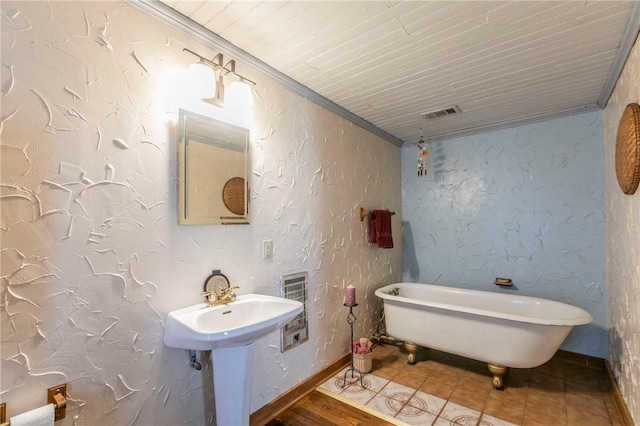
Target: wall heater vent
<point>441,112</point>
<point>294,287</point>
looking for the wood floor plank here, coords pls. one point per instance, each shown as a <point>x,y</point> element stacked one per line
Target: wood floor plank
<point>299,417</point>
<point>317,409</point>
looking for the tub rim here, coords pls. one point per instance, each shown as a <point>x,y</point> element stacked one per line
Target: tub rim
<point>580,317</point>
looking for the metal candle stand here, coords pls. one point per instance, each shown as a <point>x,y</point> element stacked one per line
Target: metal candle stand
<point>351,319</point>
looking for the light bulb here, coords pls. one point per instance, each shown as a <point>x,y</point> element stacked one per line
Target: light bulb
<point>239,102</point>
<point>203,80</point>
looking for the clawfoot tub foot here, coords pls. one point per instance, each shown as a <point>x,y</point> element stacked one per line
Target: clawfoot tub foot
<point>498,372</point>
<point>412,348</point>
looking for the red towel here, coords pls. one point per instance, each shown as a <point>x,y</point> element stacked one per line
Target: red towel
<point>380,228</point>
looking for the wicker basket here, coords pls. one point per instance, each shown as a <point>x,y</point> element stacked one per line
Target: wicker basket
<point>628,149</point>
<point>363,362</point>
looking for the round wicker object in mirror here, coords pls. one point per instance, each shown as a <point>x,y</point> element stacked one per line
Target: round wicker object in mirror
<point>628,149</point>
<point>233,195</point>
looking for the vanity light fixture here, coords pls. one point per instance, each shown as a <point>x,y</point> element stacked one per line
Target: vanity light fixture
<point>220,70</point>
<point>239,102</point>
<point>204,78</point>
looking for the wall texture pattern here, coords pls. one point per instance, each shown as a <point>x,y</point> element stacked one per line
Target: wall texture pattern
<point>92,258</point>
<point>623,248</point>
<point>525,203</point>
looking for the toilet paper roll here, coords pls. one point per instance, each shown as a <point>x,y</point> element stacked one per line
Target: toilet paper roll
<point>42,416</point>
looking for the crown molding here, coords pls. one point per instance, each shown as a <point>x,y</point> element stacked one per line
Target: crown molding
<point>628,40</point>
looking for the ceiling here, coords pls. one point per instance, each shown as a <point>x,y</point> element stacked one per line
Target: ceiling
<point>389,62</point>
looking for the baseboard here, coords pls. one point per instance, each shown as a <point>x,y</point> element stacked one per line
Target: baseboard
<point>270,411</point>
<point>625,416</point>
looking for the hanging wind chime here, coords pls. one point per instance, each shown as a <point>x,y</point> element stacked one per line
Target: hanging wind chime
<point>422,157</point>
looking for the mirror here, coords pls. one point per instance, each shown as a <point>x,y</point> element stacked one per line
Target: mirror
<point>213,161</point>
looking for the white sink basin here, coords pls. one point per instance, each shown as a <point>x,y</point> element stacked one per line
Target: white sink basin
<point>238,323</point>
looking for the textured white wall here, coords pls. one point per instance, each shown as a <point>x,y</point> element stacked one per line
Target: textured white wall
<point>92,256</point>
<point>525,203</point>
<point>623,248</point>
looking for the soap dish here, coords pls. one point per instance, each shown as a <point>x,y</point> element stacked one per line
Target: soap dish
<point>503,282</point>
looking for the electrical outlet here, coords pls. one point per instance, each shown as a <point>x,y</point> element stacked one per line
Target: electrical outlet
<point>267,249</point>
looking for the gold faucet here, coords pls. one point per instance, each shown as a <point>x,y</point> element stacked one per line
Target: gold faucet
<point>211,296</point>
<point>226,295</point>
<point>220,296</point>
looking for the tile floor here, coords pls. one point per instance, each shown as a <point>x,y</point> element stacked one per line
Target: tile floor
<point>446,390</point>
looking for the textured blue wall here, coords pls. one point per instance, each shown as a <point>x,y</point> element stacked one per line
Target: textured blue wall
<point>525,203</point>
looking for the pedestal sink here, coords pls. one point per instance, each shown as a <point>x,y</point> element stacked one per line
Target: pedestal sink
<point>229,332</point>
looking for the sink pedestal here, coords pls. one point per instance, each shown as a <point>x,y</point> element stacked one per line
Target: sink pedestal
<point>232,372</point>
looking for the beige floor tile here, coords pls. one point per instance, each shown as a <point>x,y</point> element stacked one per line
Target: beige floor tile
<point>343,380</point>
<point>427,402</point>
<point>581,374</point>
<point>372,383</point>
<point>469,397</point>
<point>385,372</point>
<point>510,394</point>
<point>334,385</point>
<point>452,369</point>
<point>385,405</point>
<point>555,397</point>
<point>584,418</point>
<point>396,358</point>
<point>441,421</point>
<point>477,385</point>
<point>358,395</point>
<point>545,406</point>
<point>516,382</point>
<point>398,392</point>
<point>547,383</point>
<point>414,416</point>
<point>437,388</point>
<point>408,378</point>
<point>513,413</point>
<point>593,404</point>
<point>485,377</point>
<point>534,418</point>
<point>550,369</point>
<point>425,368</point>
<point>383,350</point>
<point>488,420</point>
<point>459,414</point>
<point>446,376</point>
<point>578,388</point>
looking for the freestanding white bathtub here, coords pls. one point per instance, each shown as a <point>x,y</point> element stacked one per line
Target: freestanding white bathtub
<point>503,330</point>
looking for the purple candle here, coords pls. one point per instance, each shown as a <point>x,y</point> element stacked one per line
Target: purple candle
<point>350,299</point>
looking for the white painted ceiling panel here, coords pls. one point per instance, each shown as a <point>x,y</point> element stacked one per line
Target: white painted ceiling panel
<point>501,62</point>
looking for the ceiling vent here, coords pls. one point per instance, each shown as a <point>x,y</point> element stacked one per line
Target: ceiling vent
<point>441,112</point>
